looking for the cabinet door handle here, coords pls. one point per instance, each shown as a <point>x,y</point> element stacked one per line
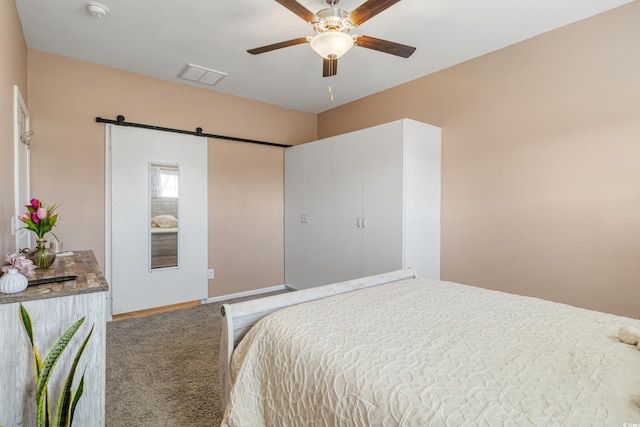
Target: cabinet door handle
<point>359,222</point>
<point>364,222</point>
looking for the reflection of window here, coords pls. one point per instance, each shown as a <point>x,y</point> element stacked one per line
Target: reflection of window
<point>164,180</point>
<point>168,183</point>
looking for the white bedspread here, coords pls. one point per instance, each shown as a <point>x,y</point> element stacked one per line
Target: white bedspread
<point>419,352</point>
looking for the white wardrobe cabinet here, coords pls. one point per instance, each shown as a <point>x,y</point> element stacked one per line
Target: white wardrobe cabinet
<point>382,204</point>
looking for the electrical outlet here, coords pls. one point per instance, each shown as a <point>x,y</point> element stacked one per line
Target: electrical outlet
<point>210,273</point>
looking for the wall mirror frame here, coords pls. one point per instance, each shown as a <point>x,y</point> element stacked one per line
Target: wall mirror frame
<point>164,215</point>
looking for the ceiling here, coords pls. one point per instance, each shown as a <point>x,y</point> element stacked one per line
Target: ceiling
<point>158,38</point>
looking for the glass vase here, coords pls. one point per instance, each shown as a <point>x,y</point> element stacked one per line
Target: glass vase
<point>41,256</point>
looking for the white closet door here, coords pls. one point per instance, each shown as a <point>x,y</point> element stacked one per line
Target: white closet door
<point>294,211</point>
<point>308,215</point>
<point>135,286</point>
<point>318,221</point>
<point>383,206</point>
<point>346,203</point>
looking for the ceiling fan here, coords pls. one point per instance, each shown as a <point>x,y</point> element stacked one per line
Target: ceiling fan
<point>332,26</point>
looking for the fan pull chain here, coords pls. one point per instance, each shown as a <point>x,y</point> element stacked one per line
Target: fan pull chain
<point>332,74</point>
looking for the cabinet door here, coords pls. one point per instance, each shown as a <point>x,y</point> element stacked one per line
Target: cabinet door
<point>294,209</point>
<point>307,215</point>
<point>317,225</point>
<point>383,210</point>
<point>346,208</point>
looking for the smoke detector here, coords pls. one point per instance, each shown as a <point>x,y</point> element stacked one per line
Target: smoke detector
<point>97,9</point>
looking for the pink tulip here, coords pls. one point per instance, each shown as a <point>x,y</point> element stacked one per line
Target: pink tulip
<point>41,212</point>
<point>23,217</point>
<point>35,203</point>
<point>34,217</point>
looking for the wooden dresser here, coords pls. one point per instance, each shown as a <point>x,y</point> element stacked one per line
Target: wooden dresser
<point>53,307</point>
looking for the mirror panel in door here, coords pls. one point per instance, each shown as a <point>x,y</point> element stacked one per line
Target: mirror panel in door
<point>164,215</point>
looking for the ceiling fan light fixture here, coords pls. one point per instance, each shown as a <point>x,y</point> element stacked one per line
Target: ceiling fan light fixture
<point>331,44</point>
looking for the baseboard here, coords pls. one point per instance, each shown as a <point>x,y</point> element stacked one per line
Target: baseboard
<point>155,310</point>
<point>245,294</point>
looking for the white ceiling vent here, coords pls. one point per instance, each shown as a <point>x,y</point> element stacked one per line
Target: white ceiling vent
<point>202,75</point>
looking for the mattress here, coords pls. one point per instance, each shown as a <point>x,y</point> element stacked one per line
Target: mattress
<point>422,352</point>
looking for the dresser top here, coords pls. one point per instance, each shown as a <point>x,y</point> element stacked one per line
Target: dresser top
<point>82,264</point>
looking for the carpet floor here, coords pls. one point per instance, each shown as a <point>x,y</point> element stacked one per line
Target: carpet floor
<point>162,369</point>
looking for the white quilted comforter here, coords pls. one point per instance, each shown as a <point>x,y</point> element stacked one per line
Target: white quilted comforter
<point>419,353</point>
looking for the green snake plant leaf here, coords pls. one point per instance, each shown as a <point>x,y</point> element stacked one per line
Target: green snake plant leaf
<point>43,410</point>
<point>42,418</point>
<point>53,356</point>
<point>26,323</point>
<point>76,397</point>
<point>63,411</point>
<point>42,413</point>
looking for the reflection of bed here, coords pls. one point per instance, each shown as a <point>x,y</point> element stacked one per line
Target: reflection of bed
<point>158,230</point>
<point>419,352</point>
<point>164,247</point>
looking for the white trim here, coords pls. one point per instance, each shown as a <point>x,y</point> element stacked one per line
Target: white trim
<point>245,294</point>
<point>107,216</point>
<point>19,104</point>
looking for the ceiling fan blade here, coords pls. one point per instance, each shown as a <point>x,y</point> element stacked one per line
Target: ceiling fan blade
<point>385,46</point>
<point>280,45</point>
<point>299,10</point>
<point>329,67</point>
<point>369,9</point>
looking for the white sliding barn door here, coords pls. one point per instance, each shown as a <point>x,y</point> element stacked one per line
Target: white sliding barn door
<point>135,285</point>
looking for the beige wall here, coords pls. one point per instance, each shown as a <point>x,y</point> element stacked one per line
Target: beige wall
<point>13,71</point>
<point>246,196</point>
<point>65,97</point>
<point>541,162</point>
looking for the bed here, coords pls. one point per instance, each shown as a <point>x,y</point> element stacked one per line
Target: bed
<point>395,350</point>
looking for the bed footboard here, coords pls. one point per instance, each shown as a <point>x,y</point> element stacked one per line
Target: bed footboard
<point>238,318</point>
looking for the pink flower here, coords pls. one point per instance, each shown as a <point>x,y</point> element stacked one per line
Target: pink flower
<point>20,262</point>
<point>29,270</point>
<point>39,218</point>
<point>41,213</point>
